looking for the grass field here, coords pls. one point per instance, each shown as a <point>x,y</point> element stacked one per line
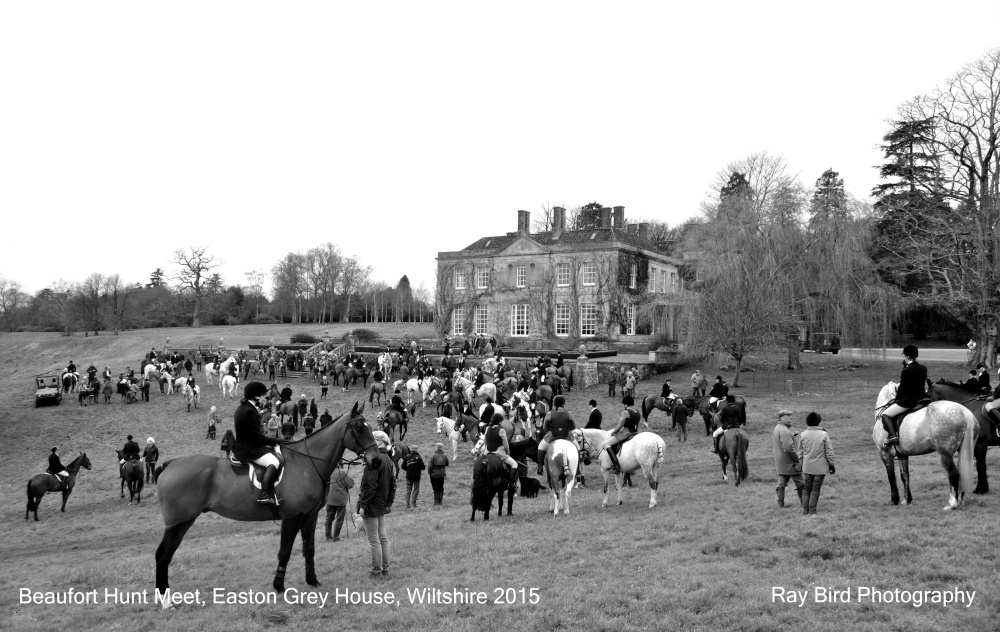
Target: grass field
<point>707,558</point>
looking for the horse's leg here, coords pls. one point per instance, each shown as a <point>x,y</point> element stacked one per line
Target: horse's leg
<point>954,479</point>
<point>607,481</point>
<point>123,486</point>
<point>904,475</point>
<point>982,484</point>
<point>309,547</point>
<point>34,506</point>
<point>890,470</point>
<point>652,474</point>
<point>510,501</point>
<point>289,528</point>
<point>172,537</point>
<point>454,446</point>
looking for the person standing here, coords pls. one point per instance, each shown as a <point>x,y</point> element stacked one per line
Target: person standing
<point>309,423</point>
<point>816,454</point>
<point>612,381</point>
<point>786,456</point>
<point>413,465</point>
<point>336,502</point>
<point>596,417</point>
<point>326,418</point>
<point>150,454</point>
<point>436,470</point>
<point>696,387</point>
<point>213,419</point>
<point>324,385</point>
<point>378,491</point>
<point>629,385</point>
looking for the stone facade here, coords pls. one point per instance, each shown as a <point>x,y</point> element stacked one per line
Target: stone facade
<point>609,282</point>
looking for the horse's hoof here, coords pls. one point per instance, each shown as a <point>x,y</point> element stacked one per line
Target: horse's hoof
<point>620,502</point>
<point>279,586</point>
<point>312,581</point>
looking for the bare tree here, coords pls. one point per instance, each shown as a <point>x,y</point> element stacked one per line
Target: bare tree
<point>90,301</point>
<point>353,276</point>
<point>11,300</point>
<point>117,297</point>
<point>255,290</point>
<point>195,263</point>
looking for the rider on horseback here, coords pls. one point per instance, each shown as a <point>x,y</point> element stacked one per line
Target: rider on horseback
<point>131,451</point>
<point>56,468</point>
<point>729,417</point>
<point>496,443</point>
<point>253,445</point>
<point>557,425</point>
<point>912,382</point>
<point>628,427</point>
<point>719,390</point>
<point>396,403</point>
<point>669,399</point>
<point>993,401</point>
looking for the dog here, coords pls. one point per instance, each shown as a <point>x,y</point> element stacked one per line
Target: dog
<point>530,487</point>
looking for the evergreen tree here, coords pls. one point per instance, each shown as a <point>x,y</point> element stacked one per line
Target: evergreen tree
<point>829,202</point>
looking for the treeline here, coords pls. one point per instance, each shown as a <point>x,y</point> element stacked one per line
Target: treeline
<point>315,286</point>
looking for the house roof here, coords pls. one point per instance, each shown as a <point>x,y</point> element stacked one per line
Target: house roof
<point>496,244</point>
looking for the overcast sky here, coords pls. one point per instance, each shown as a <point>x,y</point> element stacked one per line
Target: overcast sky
<point>400,129</point>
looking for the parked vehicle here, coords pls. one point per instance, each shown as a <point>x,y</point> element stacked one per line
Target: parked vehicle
<point>47,390</point>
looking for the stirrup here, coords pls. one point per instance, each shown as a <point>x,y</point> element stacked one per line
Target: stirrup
<point>268,499</point>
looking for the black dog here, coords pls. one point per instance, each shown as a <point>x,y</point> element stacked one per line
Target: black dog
<point>530,487</point>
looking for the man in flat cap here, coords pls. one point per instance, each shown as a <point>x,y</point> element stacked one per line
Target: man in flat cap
<point>786,457</point>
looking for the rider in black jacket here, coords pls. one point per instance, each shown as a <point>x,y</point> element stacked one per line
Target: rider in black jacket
<point>912,383</point>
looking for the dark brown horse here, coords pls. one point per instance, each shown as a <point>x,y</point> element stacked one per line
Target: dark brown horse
<point>733,445</point>
<point>390,420</point>
<point>191,485</point>
<point>704,407</point>
<point>38,485</point>
<point>974,402</point>
<point>132,474</point>
<point>490,479</point>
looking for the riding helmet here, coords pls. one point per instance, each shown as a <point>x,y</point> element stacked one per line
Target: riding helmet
<point>910,350</point>
<point>254,389</point>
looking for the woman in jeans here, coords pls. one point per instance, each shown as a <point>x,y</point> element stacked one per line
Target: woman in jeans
<point>378,491</point>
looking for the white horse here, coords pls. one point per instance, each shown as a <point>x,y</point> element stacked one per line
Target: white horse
<point>561,460</point>
<point>220,370</point>
<point>447,426</point>
<point>412,388</point>
<point>192,395</point>
<point>427,386</point>
<point>490,365</point>
<point>385,364</point>
<point>150,371</point>
<point>228,383</point>
<point>488,389</point>
<point>643,451</point>
<point>178,385</point>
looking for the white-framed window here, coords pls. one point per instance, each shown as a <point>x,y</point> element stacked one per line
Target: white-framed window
<point>459,279</point>
<point>652,279</point>
<point>663,281</point>
<point>458,321</point>
<point>562,319</point>
<point>673,282</point>
<point>482,319</point>
<point>482,277</point>
<point>588,319</point>
<point>630,320</point>
<point>521,275</point>
<point>590,273</point>
<point>562,274</point>
<point>519,319</point>
<point>633,275</point>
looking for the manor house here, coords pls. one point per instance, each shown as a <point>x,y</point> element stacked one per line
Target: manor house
<point>609,282</point>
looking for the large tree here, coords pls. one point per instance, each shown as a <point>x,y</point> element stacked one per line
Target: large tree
<point>12,300</point>
<point>194,266</point>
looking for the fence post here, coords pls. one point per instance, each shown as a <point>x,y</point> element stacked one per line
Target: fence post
<point>788,383</point>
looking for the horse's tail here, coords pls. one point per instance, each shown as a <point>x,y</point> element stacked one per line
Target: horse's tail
<point>659,452</point>
<point>965,457</point>
<point>645,413</point>
<point>742,470</point>
<point>31,498</point>
<point>160,468</point>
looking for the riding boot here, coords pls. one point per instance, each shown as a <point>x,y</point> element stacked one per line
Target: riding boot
<point>541,462</point>
<point>615,466</point>
<point>513,477</point>
<point>267,496</point>
<point>781,496</point>
<point>889,423</point>
<point>715,448</point>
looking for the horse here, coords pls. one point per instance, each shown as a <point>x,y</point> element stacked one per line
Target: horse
<point>377,388</point>
<point>411,386</point>
<point>390,420</point>
<point>288,409</point>
<point>192,396</point>
<point>177,385</point>
<point>561,460</point>
<point>655,402</point>
<point>448,427</point>
<point>88,390</point>
<point>945,427</point>
<point>566,371</point>
<point>252,367</point>
<point>733,446</point>
<point>385,364</point>
<point>554,382</point>
<point>955,393</point>
<point>643,452</point>
<point>69,381</point>
<point>544,393</point>
<point>131,473</point>
<point>228,383</point>
<point>397,453</point>
<point>352,374</point>
<point>191,485</point>
<point>41,483</point>
<point>210,371</point>
<point>491,479</point>
<point>705,408</point>
<point>488,389</point>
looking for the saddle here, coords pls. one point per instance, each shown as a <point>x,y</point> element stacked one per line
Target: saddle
<point>617,448</point>
<point>920,405</point>
<point>257,471</point>
<point>60,483</point>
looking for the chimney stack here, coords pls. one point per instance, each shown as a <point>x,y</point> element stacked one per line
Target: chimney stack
<point>606,217</point>
<point>643,231</point>
<point>524,222</point>
<point>558,221</point>
<point>632,228</point>
<point>618,220</point>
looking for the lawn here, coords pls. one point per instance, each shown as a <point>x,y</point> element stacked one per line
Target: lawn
<point>709,557</point>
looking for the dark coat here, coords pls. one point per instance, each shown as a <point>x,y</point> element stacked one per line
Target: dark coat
<point>729,416</point>
<point>55,465</point>
<point>286,395</point>
<point>912,382</point>
<point>984,380</point>
<point>680,413</point>
<point>595,419</point>
<point>561,424</point>
<point>151,453</point>
<point>378,488</point>
<point>438,465</point>
<point>131,451</point>
<point>325,419</point>
<point>719,390</point>
<point>414,466</point>
<point>251,443</point>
